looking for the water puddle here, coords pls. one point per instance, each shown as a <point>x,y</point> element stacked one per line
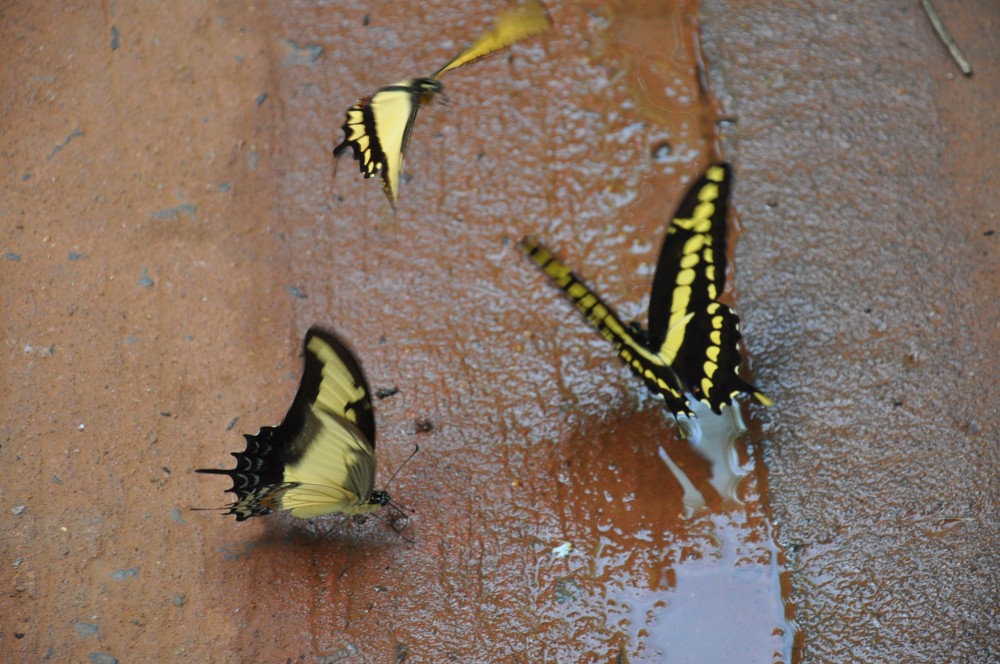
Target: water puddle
<point>664,555</point>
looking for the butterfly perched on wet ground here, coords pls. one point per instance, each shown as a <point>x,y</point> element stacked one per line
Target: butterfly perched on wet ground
<point>378,127</point>
<point>692,344</point>
<point>321,458</point>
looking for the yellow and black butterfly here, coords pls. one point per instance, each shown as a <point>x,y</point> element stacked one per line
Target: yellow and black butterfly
<point>321,458</point>
<point>378,126</point>
<point>692,344</point>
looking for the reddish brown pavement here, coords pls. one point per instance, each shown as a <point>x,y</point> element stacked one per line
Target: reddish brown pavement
<point>171,224</point>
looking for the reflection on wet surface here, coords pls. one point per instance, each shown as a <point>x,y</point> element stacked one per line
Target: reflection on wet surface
<point>672,557</point>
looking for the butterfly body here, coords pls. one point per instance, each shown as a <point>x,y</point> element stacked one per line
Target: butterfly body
<point>321,458</point>
<point>692,343</point>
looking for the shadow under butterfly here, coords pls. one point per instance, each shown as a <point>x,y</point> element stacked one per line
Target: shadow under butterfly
<point>378,127</point>
<point>692,344</point>
<point>321,458</point>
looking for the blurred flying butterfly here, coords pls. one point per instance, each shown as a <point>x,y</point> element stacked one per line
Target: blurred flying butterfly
<point>378,127</point>
<point>321,458</point>
<point>692,344</point>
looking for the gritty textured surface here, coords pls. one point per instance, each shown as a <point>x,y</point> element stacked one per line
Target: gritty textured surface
<point>171,224</point>
<point>868,271</point>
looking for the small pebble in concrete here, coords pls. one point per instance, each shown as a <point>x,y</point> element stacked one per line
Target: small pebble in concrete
<point>567,590</point>
<point>386,392</point>
<point>41,351</point>
<point>661,152</point>
<point>85,629</point>
<point>350,650</point>
<point>103,658</point>
<point>173,213</point>
<point>301,55</point>
<point>123,574</point>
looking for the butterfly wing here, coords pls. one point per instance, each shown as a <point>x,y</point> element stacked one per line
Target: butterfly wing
<point>334,383</point>
<point>330,468</point>
<point>377,129</point>
<point>653,370</point>
<point>709,359</point>
<point>517,23</point>
<point>691,271</point>
<point>258,478</point>
<point>693,332</point>
<point>321,458</point>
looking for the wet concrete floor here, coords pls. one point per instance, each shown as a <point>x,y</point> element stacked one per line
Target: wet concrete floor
<point>171,224</point>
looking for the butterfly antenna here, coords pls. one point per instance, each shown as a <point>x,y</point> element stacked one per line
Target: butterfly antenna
<point>416,448</point>
<point>400,512</point>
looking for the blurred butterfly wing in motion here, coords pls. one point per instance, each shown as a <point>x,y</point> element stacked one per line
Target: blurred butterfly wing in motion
<point>321,458</point>
<point>693,332</point>
<point>657,374</point>
<point>517,23</point>
<point>377,129</point>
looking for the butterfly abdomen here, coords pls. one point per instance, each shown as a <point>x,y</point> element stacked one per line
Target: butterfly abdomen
<point>587,302</point>
<point>657,375</point>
